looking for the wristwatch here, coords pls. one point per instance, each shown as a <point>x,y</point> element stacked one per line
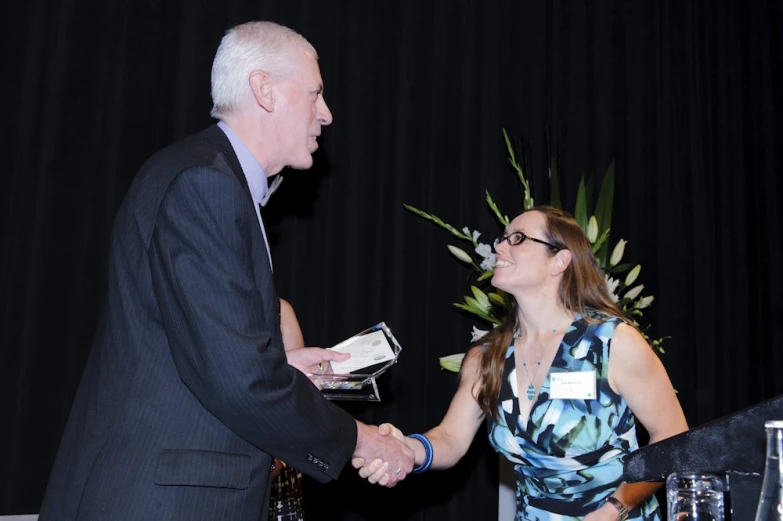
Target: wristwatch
<point>621,509</point>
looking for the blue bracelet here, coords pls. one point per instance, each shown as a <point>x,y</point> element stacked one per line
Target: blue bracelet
<point>428,453</point>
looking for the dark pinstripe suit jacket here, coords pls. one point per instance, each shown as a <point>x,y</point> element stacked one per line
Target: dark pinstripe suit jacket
<point>187,394</point>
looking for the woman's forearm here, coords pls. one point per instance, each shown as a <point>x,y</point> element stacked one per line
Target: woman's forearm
<point>446,450</point>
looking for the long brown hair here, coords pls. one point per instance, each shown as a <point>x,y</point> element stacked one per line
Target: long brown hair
<point>582,289</point>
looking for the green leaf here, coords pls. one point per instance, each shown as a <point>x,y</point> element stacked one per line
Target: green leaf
<point>589,191</point>
<point>417,211</point>
<point>603,207</point>
<point>485,275</point>
<point>620,268</point>
<point>600,242</point>
<point>509,148</point>
<point>503,220</point>
<point>527,200</point>
<point>437,220</point>
<point>477,312</point>
<point>463,307</point>
<point>469,309</point>
<point>580,212</point>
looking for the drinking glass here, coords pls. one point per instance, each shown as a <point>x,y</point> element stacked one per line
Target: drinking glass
<point>694,497</point>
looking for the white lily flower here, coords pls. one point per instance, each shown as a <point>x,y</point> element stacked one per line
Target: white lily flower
<point>476,235</point>
<point>466,231</point>
<point>592,230</point>
<point>634,292</point>
<point>460,254</point>
<point>611,284</point>
<point>485,250</point>
<point>477,333</point>
<point>617,253</point>
<point>645,302</point>
<point>488,264</point>
<point>631,278</point>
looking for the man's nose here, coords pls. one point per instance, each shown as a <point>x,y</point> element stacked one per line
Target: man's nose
<point>324,114</point>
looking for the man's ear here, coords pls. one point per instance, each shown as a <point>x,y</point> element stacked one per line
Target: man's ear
<point>261,83</point>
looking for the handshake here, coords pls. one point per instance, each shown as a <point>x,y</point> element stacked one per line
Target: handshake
<point>383,454</point>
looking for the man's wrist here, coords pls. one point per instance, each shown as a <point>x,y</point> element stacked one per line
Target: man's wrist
<point>360,438</point>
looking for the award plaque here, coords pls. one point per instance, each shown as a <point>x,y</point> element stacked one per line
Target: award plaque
<point>372,352</point>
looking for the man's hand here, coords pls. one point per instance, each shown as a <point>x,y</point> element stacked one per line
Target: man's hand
<point>314,360</point>
<point>375,470</point>
<point>384,429</point>
<point>390,459</point>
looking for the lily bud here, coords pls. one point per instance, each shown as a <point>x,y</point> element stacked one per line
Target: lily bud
<point>633,274</point>
<point>592,230</point>
<point>482,299</point>
<point>645,302</point>
<point>452,362</point>
<point>460,254</point>
<point>617,253</point>
<point>634,292</point>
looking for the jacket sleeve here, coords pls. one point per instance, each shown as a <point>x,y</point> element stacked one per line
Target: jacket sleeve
<point>212,310</point>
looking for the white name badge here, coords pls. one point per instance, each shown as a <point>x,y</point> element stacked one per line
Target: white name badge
<point>577,385</point>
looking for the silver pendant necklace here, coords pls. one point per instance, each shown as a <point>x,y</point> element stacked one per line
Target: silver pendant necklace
<point>531,389</point>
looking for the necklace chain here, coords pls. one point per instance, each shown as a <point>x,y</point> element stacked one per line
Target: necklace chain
<point>531,389</point>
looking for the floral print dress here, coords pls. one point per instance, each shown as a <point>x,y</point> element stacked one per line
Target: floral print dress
<point>568,458</point>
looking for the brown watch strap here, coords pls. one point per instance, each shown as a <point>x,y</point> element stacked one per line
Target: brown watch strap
<point>622,510</point>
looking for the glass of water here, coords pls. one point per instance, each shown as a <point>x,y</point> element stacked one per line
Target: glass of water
<point>694,497</point>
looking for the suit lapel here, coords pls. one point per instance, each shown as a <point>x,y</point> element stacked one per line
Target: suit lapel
<point>263,269</point>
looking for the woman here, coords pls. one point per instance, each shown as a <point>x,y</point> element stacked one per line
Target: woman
<point>286,501</point>
<point>560,383</point>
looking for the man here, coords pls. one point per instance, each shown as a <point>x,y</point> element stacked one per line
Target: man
<point>187,395</point>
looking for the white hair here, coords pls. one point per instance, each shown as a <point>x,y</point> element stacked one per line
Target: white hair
<point>246,48</point>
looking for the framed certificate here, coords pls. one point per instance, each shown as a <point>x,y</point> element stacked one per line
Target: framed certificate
<point>372,352</point>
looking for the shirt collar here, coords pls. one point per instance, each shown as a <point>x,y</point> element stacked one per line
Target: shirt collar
<point>254,172</point>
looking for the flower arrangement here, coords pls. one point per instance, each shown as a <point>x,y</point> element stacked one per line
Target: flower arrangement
<point>621,278</point>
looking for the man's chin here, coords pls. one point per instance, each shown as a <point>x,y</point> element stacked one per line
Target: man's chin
<point>302,164</point>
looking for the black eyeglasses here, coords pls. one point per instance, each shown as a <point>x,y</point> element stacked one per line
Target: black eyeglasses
<point>516,238</point>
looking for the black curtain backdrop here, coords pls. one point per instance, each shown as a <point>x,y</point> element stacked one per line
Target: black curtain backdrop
<point>684,95</point>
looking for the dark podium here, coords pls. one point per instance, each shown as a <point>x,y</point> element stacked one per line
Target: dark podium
<point>732,447</point>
